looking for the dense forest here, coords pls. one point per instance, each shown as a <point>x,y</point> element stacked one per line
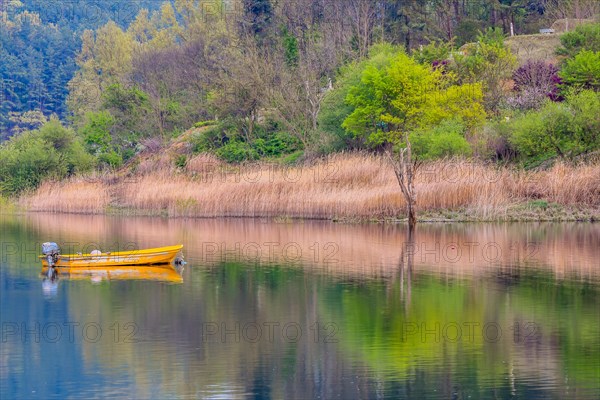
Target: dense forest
<point>90,84</point>
<point>39,42</point>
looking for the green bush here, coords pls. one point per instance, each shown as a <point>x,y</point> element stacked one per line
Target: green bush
<point>181,161</point>
<point>214,137</point>
<point>585,108</point>
<point>208,140</point>
<point>276,144</point>
<point>226,141</point>
<point>432,52</point>
<point>583,70</point>
<point>565,129</point>
<point>445,140</point>
<point>492,36</point>
<point>50,152</point>
<point>236,152</point>
<point>494,141</point>
<point>293,158</point>
<point>111,159</point>
<point>584,37</point>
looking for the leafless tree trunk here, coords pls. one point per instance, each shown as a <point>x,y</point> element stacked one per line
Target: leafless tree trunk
<point>314,98</point>
<point>405,169</point>
<point>362,13</point>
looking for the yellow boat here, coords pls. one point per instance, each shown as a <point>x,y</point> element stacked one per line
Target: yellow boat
<point>161,255</point>
<point>163,273</point>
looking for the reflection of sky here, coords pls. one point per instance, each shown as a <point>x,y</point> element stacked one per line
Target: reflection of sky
<point>44,370</point>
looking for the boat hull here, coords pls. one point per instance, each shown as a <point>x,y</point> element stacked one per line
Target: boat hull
<point>157,256</point>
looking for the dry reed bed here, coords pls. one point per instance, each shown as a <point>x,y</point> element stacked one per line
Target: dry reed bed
<point>81,195</point>
<point>341,186</point>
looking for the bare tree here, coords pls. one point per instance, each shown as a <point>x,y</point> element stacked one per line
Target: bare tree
<point>405,169</point>
<point>304,85</point>
<point>573,9</point>
<point>362,14</point>
<point>246,83</point>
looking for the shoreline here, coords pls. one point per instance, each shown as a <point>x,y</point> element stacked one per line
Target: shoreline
<point>346,188</point>
<point>572,214</point>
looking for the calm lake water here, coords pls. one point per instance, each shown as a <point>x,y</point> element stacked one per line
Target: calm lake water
<point>304,310</point>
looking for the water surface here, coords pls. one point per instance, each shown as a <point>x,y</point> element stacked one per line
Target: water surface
<point>304,310</point>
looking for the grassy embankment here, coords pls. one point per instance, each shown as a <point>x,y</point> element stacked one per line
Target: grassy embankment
<point>342,187</point>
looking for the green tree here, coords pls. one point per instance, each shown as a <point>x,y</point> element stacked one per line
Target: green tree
<point>335,109</point>
<point>488,61</point>
<point>99,140</point>
<point>132,121</point>
<point>397,96</point>
<point>96,132</point>
<point>290,46</point>
<point>105,59</point>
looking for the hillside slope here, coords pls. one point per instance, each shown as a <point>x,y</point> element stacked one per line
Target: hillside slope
<point>534,47</point>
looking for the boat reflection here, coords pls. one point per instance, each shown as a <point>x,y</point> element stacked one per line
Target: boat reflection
<point>163,273</point>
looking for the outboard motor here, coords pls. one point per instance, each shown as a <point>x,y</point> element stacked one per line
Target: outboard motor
<point>179,261</point>
<point>52,253</point>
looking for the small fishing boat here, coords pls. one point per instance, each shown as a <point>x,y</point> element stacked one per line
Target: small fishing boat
<point>51,257</point>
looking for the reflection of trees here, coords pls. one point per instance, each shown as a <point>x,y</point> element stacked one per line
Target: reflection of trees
<point>173,355</point>
<point>171,321</point>
<point>567,250</point>
<point>545,351</point>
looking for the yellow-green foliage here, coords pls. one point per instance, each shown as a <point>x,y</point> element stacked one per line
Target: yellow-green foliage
<point>397,95</point>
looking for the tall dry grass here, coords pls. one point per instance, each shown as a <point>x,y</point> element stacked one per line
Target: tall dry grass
<point>81,195</point>
<point>341,186</point>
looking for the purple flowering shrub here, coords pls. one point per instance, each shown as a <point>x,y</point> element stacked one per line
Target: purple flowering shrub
<point>535,74</point>
<point>437,64</point>
<point>535,81</point>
